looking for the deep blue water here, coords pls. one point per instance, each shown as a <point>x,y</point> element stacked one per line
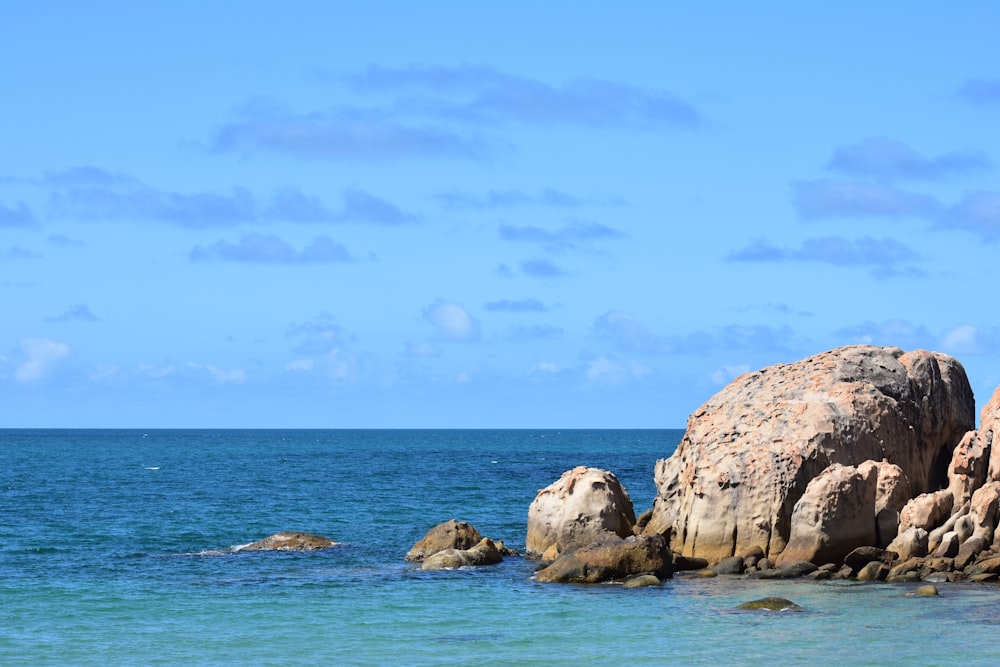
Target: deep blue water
<point>114,550</point>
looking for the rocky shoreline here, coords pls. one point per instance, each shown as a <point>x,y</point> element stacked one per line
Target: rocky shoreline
<point>861,463</point>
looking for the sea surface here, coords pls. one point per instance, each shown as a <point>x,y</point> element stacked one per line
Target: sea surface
<point>116,549</point>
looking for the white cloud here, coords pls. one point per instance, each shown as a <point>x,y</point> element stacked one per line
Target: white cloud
<point>963,338</point>
<point>452,321</point>
<point>42,355</point>
<point>608,372</point>
<point>300,365</point>
<point>220,375</point>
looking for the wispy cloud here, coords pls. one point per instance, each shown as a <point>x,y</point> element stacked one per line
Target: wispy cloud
<point>629,333</point>
<point>76,313</point>
<point>977,212</point>
<point>541,268</point>
<point>884,158</point>
<point>214,209</point>
<point>197,209</point>
<point>348,134</point>
<point>451,321</point>
<point>18,215</point>
<point>535,332</point>
<point>901,333</point>
<point>16,252</point>
<point>450,112</point>
<point>882,253</point>
<point>486,95</point>
<point>981,91</point>
<point>568,237</point>
<point>851,199</point>
<point>506,199</point>
<point>40,356</point>
<point>517,306</point>
<point>270,249</point>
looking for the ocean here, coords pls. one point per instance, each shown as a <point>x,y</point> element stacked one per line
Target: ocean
<point>116,548</point>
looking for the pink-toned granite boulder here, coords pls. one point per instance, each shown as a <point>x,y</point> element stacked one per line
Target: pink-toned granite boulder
<point>835,515</point>
<point>749,453</point>
<point>584,505</point>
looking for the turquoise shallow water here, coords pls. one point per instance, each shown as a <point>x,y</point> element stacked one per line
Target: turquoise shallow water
<point>109,541</point>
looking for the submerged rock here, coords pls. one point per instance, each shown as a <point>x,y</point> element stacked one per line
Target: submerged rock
<point>484,553</point>
<point>770,604</point>
<point>448,535</point>
<point>611,560</point>
<point>290,541</point>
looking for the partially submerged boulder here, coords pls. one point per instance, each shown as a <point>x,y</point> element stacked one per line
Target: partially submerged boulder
<point>582,506</point>
<point>289,540</point>
<point>448,535</point>
<point>750,452</point>
<point>611,559</point>
<point>484,553</point>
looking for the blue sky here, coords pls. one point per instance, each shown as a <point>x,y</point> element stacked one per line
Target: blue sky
<point>564,215</point>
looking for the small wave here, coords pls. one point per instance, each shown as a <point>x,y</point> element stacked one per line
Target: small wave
<point>151,467</point>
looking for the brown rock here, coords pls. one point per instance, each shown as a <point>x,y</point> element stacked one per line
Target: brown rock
<point>910,543</point>
<point>584,505</point>
<point>448,535</point>
<point>926,510</point>
<point>983,508</point>
<point>290,540</point>
<point>861,556</point>
<point>610,560</point>
<point>948,547</point>
<point>968,468</point>
<point>834,515</point>
<point>986,566</point>
<point>969,551</point>
<point>873,571</point>
<point>484,553</point>
<point>749,453</point>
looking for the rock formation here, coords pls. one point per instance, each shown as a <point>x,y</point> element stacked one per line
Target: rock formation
<point>290,541</point>
<point>750,453</point>
<point>584,505</point>
<point>611,559</point>
<point>448,535</point>
<point>484,553</point>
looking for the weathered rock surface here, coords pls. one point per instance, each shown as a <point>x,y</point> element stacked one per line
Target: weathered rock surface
<point>484,553</point>
<point>584,505</point>
<point>834,515</point>
<point>611,559</point>
<point>290,540</point>
<point>750,452</point>
<point>448,535</point>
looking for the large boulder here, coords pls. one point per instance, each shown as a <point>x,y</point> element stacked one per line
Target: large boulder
<point>749,453</point>
<point>290,540</point>
<point>834,515</point>
<point>448,535</point>
<point>611,559</point>
<point>584,505</point>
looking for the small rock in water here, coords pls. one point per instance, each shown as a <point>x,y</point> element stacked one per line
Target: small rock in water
<point>924,591</point>
<point>641,581</point>
<point>290,540</point>
<point>770,604</point>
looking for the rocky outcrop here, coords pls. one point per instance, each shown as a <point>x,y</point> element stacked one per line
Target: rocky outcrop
<point>584,505</point>
<point>611,559</point>
<point>834,515</point>
<point>448,535</point>
<point>484,553</point>
<point>749,454</point>
<point>289,541</point>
